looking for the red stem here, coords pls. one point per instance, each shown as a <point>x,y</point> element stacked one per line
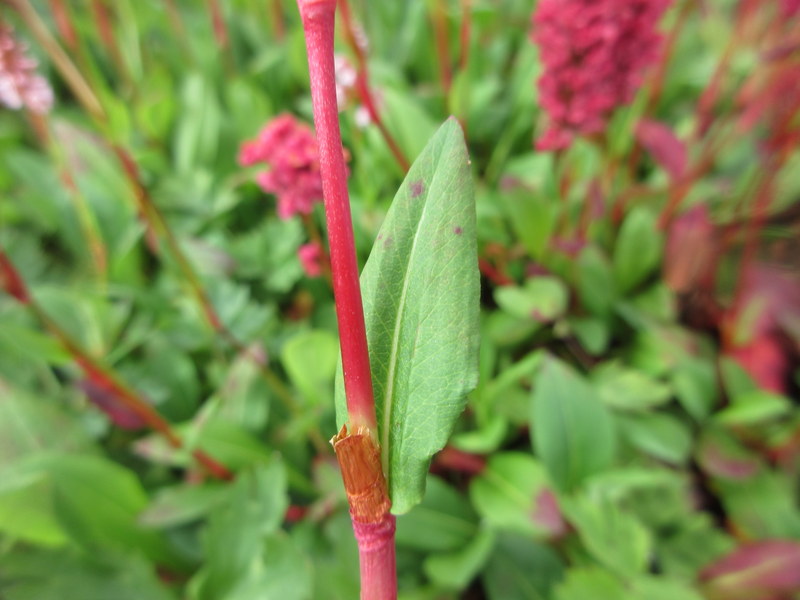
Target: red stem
<point>318,23</point>
<point>465,33</point>
<point>376,550</point>
<point>441,37</point>
<point>63,22</point>
<point>356,450</point>
<point>363,88</point>
<point>12,282</point>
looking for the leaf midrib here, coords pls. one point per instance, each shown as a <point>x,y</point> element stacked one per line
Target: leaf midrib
<point>388,401</point>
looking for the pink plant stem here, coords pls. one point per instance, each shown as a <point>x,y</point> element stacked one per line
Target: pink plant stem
<point>357,450</point>
<point>318,22</point>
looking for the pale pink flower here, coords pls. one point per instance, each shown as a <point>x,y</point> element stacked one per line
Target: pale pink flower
<point>346,77</point>
<point>311,256</point>
<point>594,54</point>
<point>20,85</point>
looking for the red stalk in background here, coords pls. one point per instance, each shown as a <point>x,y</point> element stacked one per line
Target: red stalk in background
<point>363,87</point>
<point>12,283</point>
<point>357,450</point>
<point>442,39</point>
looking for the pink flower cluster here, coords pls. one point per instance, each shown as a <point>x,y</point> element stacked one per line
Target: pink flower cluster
<point>289,148</point>
<point>20,85</point>
<point>594,54</point>
<point>312,257</point>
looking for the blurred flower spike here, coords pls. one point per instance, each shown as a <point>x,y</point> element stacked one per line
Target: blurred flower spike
<point>289,148</point>
<point>311,257</point>
<point>594,54</point>
<point>20,85</point>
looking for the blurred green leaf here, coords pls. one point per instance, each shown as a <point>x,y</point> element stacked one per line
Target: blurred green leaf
<point>541,299</point>
<point>310,361</point>
<point>238,552</point>
<point>613,537</point>
<point>573,433</point>
<point>505,493</point>
<point>591,583</point>
<point>57,575</point>
<point>638,249</point>
<point>520,569</point>
<point>595,281</point>
<point>753,408</point>
<point>658,434</point>
<point>443,522</point>
<point>628,389</point>
<point>695,385</point>
<point>456,569</point>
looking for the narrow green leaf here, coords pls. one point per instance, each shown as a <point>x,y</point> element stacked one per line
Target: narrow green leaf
<point>318,348</point>
<point>520,569</point>
<point>628,389</point>
<point>421,296</point>
<point>573,432</point>
<point>456,569</point>
<point>659,434</point>
<point>506,492</point>
<point>615,538</point>
<point>56,575</point>
<point>443,522</point>
<point>638,249</point>
<point>541,299</point>
<point>595,282</point>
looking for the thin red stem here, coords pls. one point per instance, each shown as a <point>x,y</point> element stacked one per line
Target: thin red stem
<point>12,282</point>
<point>318,22</point>
<point>441,38</point>
<point>363,86</point>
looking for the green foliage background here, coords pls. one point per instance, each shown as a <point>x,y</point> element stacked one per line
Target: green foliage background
<point>610,449</point>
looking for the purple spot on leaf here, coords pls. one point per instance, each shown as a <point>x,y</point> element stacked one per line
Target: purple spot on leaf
<point>458,231</point>
<point>387,242</point>
<point>417,188</point>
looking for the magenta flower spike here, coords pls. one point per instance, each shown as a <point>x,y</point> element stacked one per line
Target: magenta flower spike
<point>595,53</point>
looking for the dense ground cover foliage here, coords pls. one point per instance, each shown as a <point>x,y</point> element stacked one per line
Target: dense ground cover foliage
<point>168,341</point>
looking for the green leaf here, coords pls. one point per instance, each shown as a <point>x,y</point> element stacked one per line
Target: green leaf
<point>591,584</point>
<point>661,588</point>
<point>628,389</point>
<point>443,522</point>
<point>421,295</point>
<point>595,282</point>
<point>616,539</point>
<point>532,216</point>
<point>520,569</point>
<point>49,575</point>
<point>573,432</point>
<point>753,408</point>
<point>456,569</point>
<point>541,299</point>
<point>638,249</point>
<point>27,424</point>
<point>320,349</point>
<point>660,435</point>
<point>95,502</point>
<point>284,574</point>
<point>593,333</point>
<point>695,385</point>
<point>238,528</point>
<point>181,504</point>
<point>506,492</point>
